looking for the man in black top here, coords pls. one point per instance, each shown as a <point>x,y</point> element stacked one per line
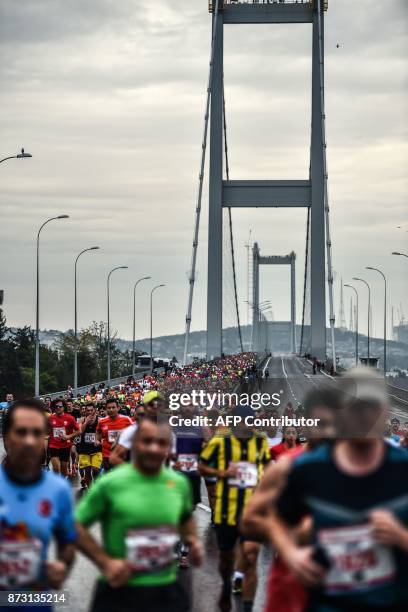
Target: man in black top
<point>356,491</point>
<point>88,447</point>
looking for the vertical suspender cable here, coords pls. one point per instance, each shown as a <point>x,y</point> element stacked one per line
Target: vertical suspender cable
<point>326,187</point>
<point>230,221</point>
<point>305,281</point>
<point>200,187</point>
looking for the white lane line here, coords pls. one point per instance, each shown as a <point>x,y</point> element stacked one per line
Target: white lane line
<point>204,507</point>
<point>266,365</point>
<point>287,380</point>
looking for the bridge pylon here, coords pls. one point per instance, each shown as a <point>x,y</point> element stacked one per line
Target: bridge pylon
<point>309,193</point>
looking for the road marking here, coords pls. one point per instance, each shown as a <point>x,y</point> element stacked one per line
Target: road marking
<point>266,365</point>
<point>287,380</point>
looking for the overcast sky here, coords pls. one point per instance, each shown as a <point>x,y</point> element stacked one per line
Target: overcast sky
<point>109,96</point>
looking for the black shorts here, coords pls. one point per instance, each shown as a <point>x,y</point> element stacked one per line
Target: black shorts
<point>166,598</point>
<point>195,480</point>
<point>227,536</point>
<point>63,454</point>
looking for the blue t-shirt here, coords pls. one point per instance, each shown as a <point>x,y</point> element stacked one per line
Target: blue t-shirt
<point>30,516</point>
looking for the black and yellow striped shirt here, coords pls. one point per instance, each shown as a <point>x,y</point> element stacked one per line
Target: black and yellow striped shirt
<point>219,452</point>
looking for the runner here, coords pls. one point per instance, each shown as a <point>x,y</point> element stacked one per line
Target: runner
<point>63,428</point>
<point>153,403</point>
<point>189,443</point>
<point>239,459</point>
<point>284,591</point>
<point>35,507</point>
<point>356,494</point>
<point>109,429</point>
<point>144,509</point>
<point>88,447</point>
<point>290,440</point>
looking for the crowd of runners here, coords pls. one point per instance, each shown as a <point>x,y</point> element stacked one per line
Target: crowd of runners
<point>330,500</point>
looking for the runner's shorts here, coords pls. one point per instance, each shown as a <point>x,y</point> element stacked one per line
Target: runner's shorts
<point>164,598</point>
<point>94,460</point>
<point>63,454</point>
<point>227,536</point>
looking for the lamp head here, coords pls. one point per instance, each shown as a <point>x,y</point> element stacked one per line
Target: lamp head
<point>23,154</point>
<point>63,217</point>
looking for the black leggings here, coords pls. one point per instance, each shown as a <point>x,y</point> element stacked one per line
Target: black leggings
<point>166,598</point>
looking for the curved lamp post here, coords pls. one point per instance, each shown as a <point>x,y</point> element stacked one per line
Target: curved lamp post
<point>109,342</point>
<point>361,280</point>
<point>151,324</point>
<point>37,308</point>
<point>95,248</point>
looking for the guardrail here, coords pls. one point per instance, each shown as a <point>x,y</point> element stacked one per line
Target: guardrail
<point>113,382</point>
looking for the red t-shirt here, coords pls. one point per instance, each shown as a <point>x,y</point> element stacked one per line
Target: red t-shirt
<point>111,429</point>
<point>281,449</point>
<point>63,424</point>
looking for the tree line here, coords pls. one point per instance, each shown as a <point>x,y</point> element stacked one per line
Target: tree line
<point>17,357</point>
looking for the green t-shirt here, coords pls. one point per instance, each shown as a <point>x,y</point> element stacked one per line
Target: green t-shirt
<point>127,503</point>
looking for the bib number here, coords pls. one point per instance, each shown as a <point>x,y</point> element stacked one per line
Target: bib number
<point>113,435</point>
<point>357,561</point>
<point>58,432</point>
<point>89,438</point>
<point>246,477</point>
<point>188,462</point>
<point>20,563</point>
<point>151,550</point>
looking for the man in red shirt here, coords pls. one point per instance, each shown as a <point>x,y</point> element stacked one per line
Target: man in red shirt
<point>63,427</point>
<point>109,429</point>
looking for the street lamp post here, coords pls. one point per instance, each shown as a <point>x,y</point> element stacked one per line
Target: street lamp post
<point>22,155</point>
<point>134,322</point>
<point>108,295</point>
<point>385,315</point>
<point>151,325</point>
<point>95,248</point>
<point>361,280</point>
<point>356,292</point>
<point>37,308</point>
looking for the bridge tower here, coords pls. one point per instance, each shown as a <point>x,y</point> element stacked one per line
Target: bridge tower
<point>273,260</point>
<point>268,193</point>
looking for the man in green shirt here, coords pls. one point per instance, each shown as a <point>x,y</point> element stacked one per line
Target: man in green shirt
<point>144,509</point>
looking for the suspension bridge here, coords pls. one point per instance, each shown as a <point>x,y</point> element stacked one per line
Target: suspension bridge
<point>310,192</point>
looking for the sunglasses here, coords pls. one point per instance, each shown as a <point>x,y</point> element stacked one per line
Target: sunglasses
<point>23,432</point>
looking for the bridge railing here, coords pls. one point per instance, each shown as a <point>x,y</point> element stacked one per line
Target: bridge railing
<point>113,382</point>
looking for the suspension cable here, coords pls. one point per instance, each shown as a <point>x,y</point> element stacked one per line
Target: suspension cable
<point>305,280</point>
<point>230,221</point>
<point>326,186</point>
<point>192,276</point>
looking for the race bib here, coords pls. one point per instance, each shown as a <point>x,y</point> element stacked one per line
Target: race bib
<point>151,550</point>
<point>247,475</point>
<point>58,432</point>
<point>113,435</point>
<point>357,561</point>
<point>188,462</point>
<point>20,563</point>
<point>90,438</point>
